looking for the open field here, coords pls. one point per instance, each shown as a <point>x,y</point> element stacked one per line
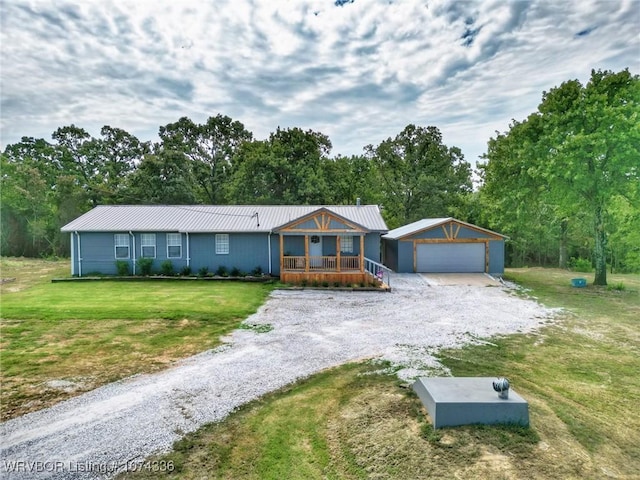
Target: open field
<point>61,339</point>
<point>580,376</point>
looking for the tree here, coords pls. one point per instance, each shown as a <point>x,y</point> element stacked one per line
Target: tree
<point>210,147</point>
<point>420,176</point>
<point>574,156</point>
<point>284,169</point>
<point>116,156</point>
<point>162,178</point>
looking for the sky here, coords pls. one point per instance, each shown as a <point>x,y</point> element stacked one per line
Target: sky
<point>358,71</point>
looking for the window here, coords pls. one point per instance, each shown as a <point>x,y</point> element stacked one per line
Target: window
<point>148,245</point>
<point>346,243</point>
<point>174,245</point>
<point>222,243</point>
<point>121,242</point>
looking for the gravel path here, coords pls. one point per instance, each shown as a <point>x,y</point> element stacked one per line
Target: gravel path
<point>113,427</point>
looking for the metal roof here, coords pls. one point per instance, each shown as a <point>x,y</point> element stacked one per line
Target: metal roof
<point>427,224</point>
<point>212,218</point>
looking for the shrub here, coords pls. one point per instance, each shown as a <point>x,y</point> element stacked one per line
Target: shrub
<point>235,272</point>
<point>203,271</point>
<point>186,271</point>
<point>256,272</point>
<point>222,271</point>
<point>122,266</point>
<point>314,283</point>
<point>167,267</point>
<point>145,265</point>
<point>580,265</point>
<point>619,286</point>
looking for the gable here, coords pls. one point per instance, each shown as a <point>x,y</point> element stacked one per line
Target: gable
<point>446,229</point>
<point>322,221</point>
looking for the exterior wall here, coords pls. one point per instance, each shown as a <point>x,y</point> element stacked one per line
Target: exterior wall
<point>405,257</point>
<point>399,253</point>
<point>496,257</point>
<point>371,246</point>
<point>246,252</point>
<point>391,254</point>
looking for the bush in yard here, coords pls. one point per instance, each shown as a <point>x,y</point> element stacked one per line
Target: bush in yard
<point>235,272</point>
<point>580,265</point>
<point>185,272</point>
<point>203,271</point>
<point>145,265</point>
<point>122,266</point>
<point>166,268</point>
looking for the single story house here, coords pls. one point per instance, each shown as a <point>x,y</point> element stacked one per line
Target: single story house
<point>312,243</point>
<point>443,245</point>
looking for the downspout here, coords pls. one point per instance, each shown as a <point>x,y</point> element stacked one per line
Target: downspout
<point>269,243</point>
<point>134,251</point>
<point>188,257</point>
<point>79,254</point>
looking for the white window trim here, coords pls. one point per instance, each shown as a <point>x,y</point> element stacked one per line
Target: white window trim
<point>143,246</point>
<point>222,244</point>
<point>342,243</point>
<point>116,245</point>
<point>178,244</point>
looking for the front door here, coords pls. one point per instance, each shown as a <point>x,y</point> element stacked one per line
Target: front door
<point>315,250</point>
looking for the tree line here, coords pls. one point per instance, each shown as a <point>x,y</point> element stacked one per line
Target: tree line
<point>562,183</point>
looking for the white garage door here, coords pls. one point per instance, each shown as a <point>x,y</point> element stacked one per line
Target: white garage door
<point>450,257</point>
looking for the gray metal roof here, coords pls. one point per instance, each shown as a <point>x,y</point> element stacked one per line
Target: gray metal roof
<point>426,224</point>
<point>212,218</point>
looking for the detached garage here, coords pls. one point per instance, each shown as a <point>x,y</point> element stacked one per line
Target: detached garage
<point>444,245</point>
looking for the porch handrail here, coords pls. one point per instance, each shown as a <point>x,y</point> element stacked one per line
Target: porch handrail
<point>378,270</point>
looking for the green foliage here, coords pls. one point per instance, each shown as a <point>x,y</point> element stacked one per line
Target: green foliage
<point>122,266</point>
<point>203,271</point>
<point>186,271</point>
<point>618,286</point>
<point>569,171</point>
<point>222,271</point>
<point>419,176</point>
<point>256,272</point>
<point>235,272</point>
<point>145,264</point>
<point>166,268</point>
<point>580,265</point>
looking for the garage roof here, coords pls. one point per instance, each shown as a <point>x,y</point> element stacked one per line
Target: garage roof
<point>429,223</point>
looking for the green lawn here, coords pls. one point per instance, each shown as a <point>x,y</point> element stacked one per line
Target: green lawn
<point>91,333</point>
<point>580,376</point>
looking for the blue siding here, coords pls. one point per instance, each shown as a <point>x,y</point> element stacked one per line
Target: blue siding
<point>405,257</point>
<point>496,257</point>
<point>246,251</point>
<point>391,254</point>
<point>399,253</point>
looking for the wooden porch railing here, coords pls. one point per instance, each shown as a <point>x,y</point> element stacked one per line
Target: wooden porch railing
<point>320,264</point>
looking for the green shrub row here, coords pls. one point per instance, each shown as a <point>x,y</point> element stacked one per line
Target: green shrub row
<point>145,268</point>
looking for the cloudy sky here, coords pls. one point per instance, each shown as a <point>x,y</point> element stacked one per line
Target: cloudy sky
<point>358,71</point>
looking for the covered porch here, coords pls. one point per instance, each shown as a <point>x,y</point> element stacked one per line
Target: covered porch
<point>323,248</point>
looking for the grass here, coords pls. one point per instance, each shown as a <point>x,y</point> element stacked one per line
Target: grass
<point>579,374</point>
<point>89,334</point>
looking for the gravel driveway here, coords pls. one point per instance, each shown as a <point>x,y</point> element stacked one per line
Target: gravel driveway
<point>113,427</point>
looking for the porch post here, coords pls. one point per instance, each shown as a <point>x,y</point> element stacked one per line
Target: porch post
<point>362,253</point>
<point>306,253</point>
<point>281,253</point>
<point>338,253</point>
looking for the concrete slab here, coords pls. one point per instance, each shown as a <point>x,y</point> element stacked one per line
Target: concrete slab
<point>454,401</point>
<point>471,279</point>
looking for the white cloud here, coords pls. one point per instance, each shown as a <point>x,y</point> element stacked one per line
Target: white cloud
<point>359,73</point>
